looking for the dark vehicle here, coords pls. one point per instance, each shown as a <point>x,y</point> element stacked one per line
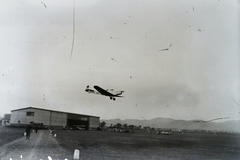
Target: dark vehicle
<point>38,126</point>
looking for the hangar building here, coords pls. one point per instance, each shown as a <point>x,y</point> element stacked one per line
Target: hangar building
<point>52,119</point>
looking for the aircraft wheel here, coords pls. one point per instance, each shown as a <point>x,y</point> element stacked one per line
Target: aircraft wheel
<point>114,99</point>
<point>110,97</point>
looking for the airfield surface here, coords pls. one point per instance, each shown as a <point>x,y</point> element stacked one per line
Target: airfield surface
<point>109,145</point>
<point>14,145</point>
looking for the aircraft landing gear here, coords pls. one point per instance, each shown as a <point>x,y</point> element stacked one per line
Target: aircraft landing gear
<point>112,98</point>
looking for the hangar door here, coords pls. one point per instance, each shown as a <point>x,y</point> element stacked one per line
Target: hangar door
<point>77,121</point>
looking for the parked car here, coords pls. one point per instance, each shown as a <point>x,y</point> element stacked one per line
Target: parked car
<point>165,133</point>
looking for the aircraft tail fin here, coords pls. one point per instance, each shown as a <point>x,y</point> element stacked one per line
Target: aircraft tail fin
<point>120,93</point>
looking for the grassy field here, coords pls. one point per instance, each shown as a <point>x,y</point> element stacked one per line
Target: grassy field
<point>9,134</point>
<point>102,145</point>
<point>115,145</point>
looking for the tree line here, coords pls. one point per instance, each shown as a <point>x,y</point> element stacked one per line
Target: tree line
<point>119,125</point>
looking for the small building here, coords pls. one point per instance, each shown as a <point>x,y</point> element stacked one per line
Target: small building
<point>52,119</point>
<point>6,120</point>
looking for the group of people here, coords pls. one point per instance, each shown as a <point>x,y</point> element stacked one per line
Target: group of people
<point>29,129</point>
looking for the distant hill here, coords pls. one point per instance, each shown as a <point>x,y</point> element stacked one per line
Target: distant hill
<point>233,126</point>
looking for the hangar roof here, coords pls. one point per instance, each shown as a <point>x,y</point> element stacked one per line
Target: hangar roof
<point>52,111</point>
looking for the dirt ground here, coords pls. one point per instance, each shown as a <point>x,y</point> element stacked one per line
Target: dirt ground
<point>40,146</point>
<point>99,145</point>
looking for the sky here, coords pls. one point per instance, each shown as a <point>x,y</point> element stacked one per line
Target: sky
<point>173,59</point>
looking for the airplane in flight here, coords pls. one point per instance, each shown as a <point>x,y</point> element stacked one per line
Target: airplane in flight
<point>108,92</point>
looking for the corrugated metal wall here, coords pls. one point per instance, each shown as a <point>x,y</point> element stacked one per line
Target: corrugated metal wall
<point>93,122</point>
<point>51,118</point>
<point>40,116</point>
<point>58,119</point>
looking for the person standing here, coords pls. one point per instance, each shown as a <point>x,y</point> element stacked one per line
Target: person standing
<point>36,129</point>
<point>28,131</point>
